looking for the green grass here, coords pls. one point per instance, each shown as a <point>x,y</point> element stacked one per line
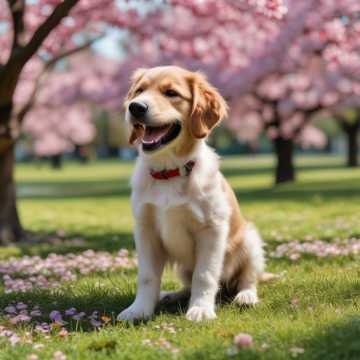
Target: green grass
<point>91,203</point>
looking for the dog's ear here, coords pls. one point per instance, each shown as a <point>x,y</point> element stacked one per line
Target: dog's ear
<point>135,77</point>
<point>208,106</point>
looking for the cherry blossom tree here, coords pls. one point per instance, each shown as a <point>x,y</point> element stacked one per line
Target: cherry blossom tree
<point>349,122</point>
<point>322,73</point>
<point>277,70</point>
<point>49,30</point>
<point>45,30</point>
<point>63,99</point>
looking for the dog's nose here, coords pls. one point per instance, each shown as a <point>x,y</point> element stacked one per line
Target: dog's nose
<point>138,109</point>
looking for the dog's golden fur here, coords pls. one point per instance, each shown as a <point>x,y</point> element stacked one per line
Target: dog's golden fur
<point>195,221</point>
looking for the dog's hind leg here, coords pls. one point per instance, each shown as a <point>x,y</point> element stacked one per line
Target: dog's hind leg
<point>252,269</point>
<point>169,297</point>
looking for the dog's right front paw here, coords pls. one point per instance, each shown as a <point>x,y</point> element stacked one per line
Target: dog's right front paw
<point>200,313</point>
<point>134,312</point>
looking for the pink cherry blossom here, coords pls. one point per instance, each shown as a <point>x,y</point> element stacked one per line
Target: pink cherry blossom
<point>243,340</point>
<point>59,355</point>
<point>24,274</point>
<point>32,357</point>
<point>294,250</point>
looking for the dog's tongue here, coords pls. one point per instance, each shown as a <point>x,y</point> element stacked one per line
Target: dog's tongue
<point>154,134</point>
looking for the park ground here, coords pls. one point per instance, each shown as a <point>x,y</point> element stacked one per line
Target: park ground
<point>311,312</point>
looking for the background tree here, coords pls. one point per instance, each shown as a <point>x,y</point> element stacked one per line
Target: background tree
<point>51,30</point>
<point>293,67</point>
<point>57,113</point>
<point>48,30</point>
<point>350,124</point>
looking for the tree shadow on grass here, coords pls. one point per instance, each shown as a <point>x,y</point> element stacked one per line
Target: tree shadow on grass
<point>107,302</point>
<point>73,189</point>
<point>223,298</point>
<point>232,171</point>
<point>336,341</point>
<point>325,191</point>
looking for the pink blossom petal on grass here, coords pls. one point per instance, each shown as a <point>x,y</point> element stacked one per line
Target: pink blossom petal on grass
<point>35,312</point>
<point>43,328</point>
<point>78,316</point>
<point>20,318</point>
<point>10,309</point>
<point>28,272</point>
<point>95,323</point>
<point>32,357</point>
<point>14,339</point>
<point>243,340</point>
<point>70,312</point>
<point>59,355</point>
<point>295,301</point>
<point>21,306</point>
<point>63,333</point>
<point>55,315</point>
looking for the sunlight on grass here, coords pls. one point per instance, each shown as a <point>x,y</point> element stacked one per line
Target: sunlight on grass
<point>312,312</point>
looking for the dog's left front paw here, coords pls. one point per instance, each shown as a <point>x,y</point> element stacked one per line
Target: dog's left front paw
<point>200,313</point>
<point>133,313</point>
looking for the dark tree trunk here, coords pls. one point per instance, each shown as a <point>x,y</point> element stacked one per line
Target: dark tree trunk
<point>284,151</point>
<point>352,132</point>
<point>10,227</point>
<point>329,145</point>
<point>56,161</point>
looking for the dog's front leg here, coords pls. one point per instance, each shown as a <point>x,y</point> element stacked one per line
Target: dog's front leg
<point>151,260</point>
<point>210,249</point>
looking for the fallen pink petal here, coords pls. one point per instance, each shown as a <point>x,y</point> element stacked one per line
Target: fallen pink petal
<point>243,340</point>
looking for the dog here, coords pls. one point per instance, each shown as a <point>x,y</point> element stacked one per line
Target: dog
<point>185,211</point>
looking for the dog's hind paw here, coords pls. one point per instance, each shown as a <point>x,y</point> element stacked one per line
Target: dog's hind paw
<point>246,297</point>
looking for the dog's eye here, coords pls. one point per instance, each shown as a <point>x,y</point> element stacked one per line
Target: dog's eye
<point>171,93</point>
<point>139,91</point>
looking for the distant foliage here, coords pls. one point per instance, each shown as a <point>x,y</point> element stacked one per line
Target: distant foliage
<point>277,65</point>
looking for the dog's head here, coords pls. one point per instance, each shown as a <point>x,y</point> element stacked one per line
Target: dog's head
<point>170,108</point>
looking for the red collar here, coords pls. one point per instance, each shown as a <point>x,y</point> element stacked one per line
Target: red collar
<point>168,174</point>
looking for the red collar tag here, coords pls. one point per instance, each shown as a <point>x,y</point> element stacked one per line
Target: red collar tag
<point>168,174</point>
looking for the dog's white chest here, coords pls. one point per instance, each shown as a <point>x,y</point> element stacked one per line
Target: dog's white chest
<point>166,194</point>
<point>174,226</point>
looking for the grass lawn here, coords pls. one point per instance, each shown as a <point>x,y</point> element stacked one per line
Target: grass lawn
<point>312,312</point>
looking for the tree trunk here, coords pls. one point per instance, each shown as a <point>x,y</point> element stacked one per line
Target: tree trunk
<point>56,161</point>
<point>284,150</point>
<point>10,227</point>
<point>352,132</point>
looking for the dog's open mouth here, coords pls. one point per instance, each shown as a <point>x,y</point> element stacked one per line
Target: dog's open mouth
<point>155,137</point>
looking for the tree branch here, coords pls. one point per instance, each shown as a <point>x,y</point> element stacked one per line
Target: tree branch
<point>17,10</point>
<point>42,32</point>
<point>308,114</point>
<point>47,67</point>
<point>50,63</point>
